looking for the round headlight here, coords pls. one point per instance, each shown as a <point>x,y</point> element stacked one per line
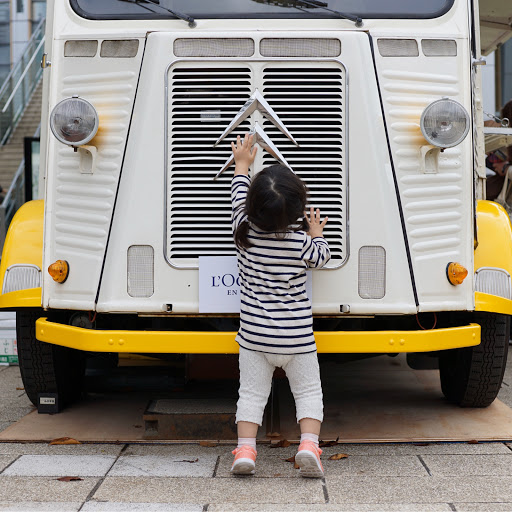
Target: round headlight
<point>74,121</point>
<point>444,123</point>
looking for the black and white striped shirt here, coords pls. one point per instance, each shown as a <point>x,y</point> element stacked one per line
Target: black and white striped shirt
<point>275,312</point>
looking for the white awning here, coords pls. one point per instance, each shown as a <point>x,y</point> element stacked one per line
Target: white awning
<point>495,24</point>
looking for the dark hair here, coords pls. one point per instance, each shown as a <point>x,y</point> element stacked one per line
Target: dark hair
<point>275,203</point>
<point>506,111</point>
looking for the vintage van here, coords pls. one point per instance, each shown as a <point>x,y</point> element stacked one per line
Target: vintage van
<point>376,105</point>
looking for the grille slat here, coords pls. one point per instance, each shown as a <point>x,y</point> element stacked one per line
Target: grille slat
<point>309,100</point>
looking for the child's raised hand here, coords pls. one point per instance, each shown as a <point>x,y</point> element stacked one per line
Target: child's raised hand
<point>316,227</point>
<point>244,154</point>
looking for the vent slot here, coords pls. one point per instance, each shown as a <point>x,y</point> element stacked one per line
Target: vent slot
<point>21,277</point>
<point>439,47</point>
<point>310,101</point>
<point>141,271</point>
<point>300,47</point>
<point>372,272</point>
<point>120,49</point>
<point>494,281</point>
<point>202,102</point>
<point>221,47</point>
<point>398,47</point>
<point>80,48</point>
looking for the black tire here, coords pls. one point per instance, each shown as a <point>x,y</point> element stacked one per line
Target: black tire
<point>47,368</point>
<point>472,376</point>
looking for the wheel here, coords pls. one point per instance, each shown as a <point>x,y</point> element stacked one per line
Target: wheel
<point>47,368</point>
<point>472,376</point>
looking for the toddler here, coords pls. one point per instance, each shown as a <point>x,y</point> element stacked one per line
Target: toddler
<point>276,243</point>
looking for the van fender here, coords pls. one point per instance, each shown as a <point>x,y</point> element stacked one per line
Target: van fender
<point>493,257</point>
<point>22,259</point>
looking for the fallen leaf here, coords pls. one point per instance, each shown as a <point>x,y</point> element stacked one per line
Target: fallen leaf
<point>191,461</point>
<point>273,434</point>
<point>65,440</point>
<point>20,389</point>
<point>277,475</point>
<point>323,444</point>
<point>291,459</point>
<point>473,441</point>
<point>69,479</point>
<point>296,466</point>
<point>211,444</point>
<point>338,456</point>
<point>284,443</point>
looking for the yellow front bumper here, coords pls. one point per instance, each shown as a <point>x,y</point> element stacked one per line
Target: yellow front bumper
<point>199,342</point>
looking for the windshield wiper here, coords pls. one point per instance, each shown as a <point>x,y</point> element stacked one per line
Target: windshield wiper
<point>185,17</point>
<point>322,5</point>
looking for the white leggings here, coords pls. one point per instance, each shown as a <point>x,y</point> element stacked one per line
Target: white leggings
<point>256,371</point>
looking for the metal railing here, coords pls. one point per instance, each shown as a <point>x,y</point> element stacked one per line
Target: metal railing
<point>19,85</point>
<point>14,198</point>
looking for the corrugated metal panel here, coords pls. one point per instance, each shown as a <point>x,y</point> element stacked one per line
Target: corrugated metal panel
<point>203,100</point>
<point>83,212</point>
<point>432,202</point>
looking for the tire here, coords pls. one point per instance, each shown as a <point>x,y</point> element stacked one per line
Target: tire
<point>47,368</point>
<point>472,376</point>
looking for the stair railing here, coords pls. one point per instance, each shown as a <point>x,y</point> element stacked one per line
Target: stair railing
<point>19,85</point>
<point>14,198</point>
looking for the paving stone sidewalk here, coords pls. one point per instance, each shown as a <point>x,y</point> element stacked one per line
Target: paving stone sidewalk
<point>435,477</point>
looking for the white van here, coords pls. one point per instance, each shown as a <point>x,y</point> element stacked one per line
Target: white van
<point>376,105</point>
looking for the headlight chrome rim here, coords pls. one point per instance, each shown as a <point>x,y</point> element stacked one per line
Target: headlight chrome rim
<point>438,142</point>
<point>89,131</point>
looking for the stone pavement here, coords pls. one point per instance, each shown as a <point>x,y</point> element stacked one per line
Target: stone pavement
<point>402,477</point>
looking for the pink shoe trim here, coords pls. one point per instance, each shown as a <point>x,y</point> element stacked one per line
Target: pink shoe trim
<point>245,451</point>
<point>311,446</point>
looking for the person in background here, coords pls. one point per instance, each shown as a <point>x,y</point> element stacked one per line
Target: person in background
<point>498,161</point>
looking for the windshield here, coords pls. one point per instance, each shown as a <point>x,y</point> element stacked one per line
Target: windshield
<point>141,9</point>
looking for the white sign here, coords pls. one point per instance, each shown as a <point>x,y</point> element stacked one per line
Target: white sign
<point>219,286</point>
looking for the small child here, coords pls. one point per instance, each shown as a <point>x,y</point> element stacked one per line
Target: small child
<point>276,243</point>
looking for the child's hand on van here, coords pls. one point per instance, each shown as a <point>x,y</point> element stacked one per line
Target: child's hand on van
<point>316,227</point>
<point>244,154</point>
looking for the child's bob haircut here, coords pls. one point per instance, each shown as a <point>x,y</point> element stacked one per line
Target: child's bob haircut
<point>275,203</point>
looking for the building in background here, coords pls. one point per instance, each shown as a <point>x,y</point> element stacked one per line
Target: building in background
<point>5,39</point>
<point>18,18</point>
<point>505,87</point>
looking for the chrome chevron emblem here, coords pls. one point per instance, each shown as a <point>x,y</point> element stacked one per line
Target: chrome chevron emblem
<point>257,102</point>
<point>262,139</point>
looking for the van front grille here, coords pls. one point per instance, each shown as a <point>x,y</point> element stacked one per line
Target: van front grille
<point>203,99</point>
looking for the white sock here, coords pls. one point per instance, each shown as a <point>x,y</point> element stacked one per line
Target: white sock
<point>248,441</point>
<point>309,437</point>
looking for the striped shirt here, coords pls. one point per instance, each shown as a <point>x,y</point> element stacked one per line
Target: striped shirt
<point>275,312</point>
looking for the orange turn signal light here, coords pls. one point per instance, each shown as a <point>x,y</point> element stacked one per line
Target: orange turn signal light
<point>59,271</point>
<point>456,273</point>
